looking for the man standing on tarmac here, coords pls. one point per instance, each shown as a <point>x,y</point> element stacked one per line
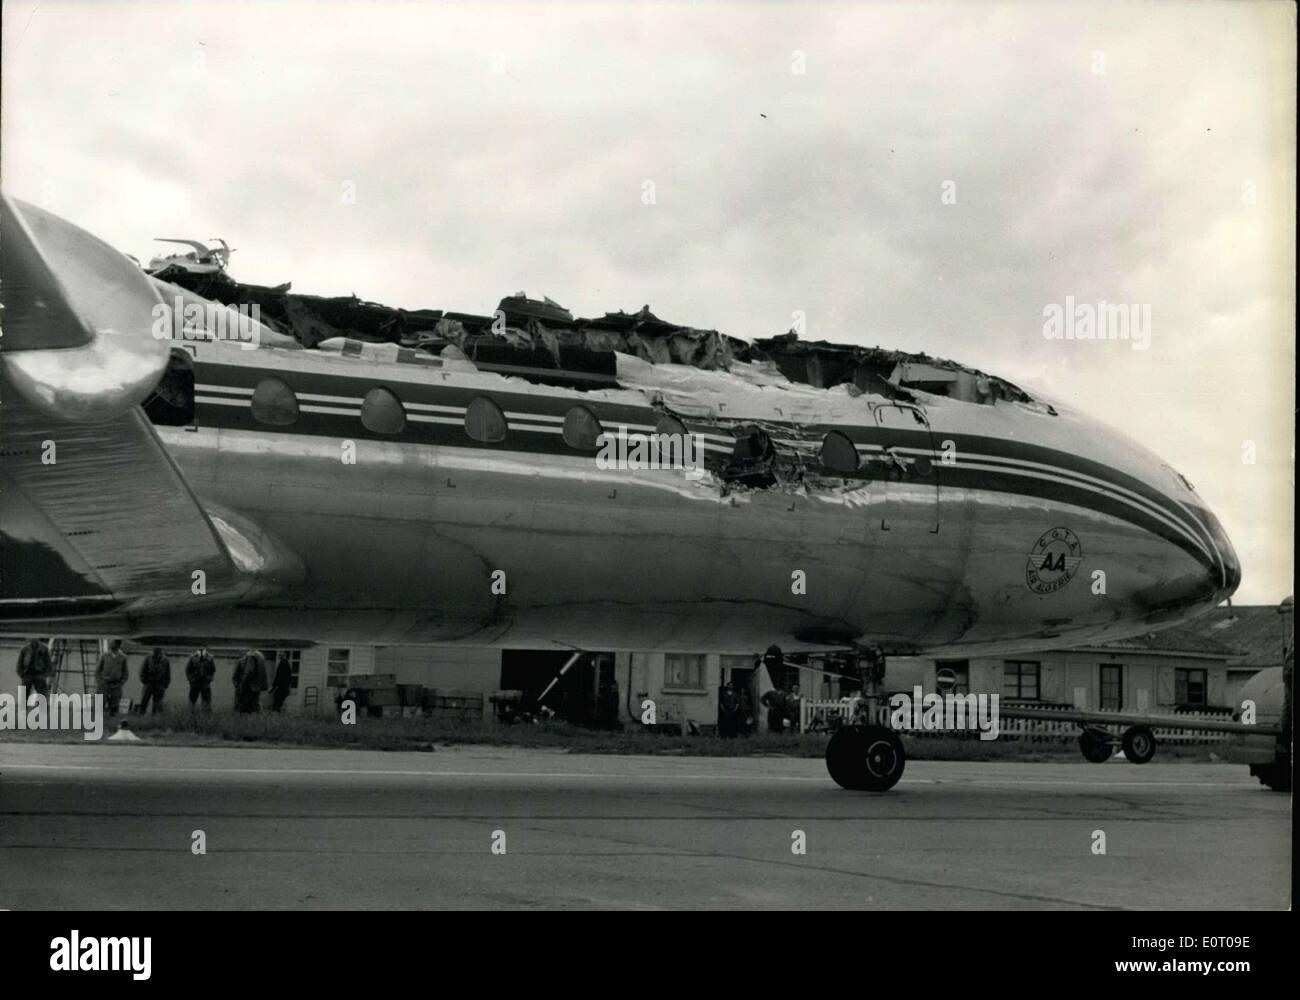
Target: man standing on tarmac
<point>250,681</point>
<point>199,671</point>
<point>155,678</point>
<point>728,711</point>
<point>111,675</point>
<point>34,667</point>
<point>282,684</point>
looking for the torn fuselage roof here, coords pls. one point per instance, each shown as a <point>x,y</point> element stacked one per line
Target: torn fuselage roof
<point>825,365</point>
<point>541,341</point>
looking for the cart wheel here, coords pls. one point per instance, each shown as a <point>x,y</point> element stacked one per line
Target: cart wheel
<point>1095,744</point>
<point>1139,744</point>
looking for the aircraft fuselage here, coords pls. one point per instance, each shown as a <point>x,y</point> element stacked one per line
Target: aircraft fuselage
<point>968,527</point>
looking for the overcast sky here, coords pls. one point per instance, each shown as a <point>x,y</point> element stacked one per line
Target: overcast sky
<point>729,165</point>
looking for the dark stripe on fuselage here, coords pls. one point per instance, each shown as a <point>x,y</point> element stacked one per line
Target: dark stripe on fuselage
<point>1000,454</point>
<point>1079,469</point>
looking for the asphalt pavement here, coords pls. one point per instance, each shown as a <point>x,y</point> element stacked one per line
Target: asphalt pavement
<point>117,826</point>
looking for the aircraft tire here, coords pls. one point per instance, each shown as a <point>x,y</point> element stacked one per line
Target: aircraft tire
<point>865,758</point>
<point>1139,744</point>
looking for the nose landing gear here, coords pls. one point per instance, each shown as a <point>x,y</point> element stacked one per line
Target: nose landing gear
<point>862,755</point>
<point>865,758</point>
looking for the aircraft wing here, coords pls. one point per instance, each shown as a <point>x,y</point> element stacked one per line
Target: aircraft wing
<point>96,516</point>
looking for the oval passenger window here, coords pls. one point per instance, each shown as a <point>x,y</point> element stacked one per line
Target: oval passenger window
<point>581,429</point>
<point>484,421</point>
<point>274,403</point>
<point>838,453</point>
<point>382,412</point>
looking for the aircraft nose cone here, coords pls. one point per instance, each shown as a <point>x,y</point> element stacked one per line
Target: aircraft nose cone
<point>1230,572</point>
<point>1207,585</point>
<point>1232,576</point>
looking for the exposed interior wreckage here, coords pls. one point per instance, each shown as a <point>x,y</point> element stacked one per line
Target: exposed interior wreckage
<point>677,367</point>
<point>543,342</point>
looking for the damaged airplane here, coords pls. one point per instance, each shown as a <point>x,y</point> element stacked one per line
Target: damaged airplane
<point>416,476</point>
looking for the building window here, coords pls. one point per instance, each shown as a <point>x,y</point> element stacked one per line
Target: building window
<point>582,430</point>
<point>793,677</point>
<point>337,662</point>
<point>295,665</point>
<point>1020,679</point>
<point>274,403</point>
<point>1112,687</point>
<point>273,663</point>
<point>838,453</point>
<point>484,421</point>
<point>1189,686</point>
<point>736,668</point>
<point>960,671</point>
<point>684,670</point>
<point>382,412</point>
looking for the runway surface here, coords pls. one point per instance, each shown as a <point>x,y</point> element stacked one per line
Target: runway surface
<point>112,826</point>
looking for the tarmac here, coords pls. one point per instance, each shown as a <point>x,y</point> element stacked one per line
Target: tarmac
<point>117,826</point>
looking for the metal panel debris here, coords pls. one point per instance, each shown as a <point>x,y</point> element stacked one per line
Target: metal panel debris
<point>541,341</point>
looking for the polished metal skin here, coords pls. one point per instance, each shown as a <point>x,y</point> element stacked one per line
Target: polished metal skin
<point>403,544</point>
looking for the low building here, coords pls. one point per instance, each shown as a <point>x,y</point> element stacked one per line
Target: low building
<point>1259,634</point>
<point>1197,667</point>
<point>1168,671</point>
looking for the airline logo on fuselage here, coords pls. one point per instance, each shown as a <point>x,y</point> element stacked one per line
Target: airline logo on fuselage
<point>1053,561</point>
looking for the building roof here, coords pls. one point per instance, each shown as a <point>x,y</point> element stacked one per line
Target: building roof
<point>1248,637</point>
<point>1254,632</point>
<point>1182,639</point>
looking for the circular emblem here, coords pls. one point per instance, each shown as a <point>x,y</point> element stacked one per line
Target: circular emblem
<point>1053,560</point>
<point>945,679</point>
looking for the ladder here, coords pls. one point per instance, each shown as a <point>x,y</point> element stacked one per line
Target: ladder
<point>87,651</point>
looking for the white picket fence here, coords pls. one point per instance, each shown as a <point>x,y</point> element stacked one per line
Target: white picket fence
<point>818,716</point>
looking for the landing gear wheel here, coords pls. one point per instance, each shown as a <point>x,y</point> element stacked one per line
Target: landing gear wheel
<point>865,758</point>
<point>1139,744</point>
<point>1095,744</point>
